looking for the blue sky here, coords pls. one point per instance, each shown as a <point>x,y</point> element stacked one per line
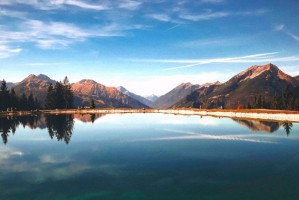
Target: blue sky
<point>147,46</point>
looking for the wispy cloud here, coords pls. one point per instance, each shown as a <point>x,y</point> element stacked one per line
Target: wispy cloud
<point>254,58</point>
<point>295,37</point>
<point>212,1</point>
<point>6,51</point>
<point>279,27</point>
<point>57,35</point>
<point>160,17</point>
<point>46,64</point>
<point>204,16</point>
<point>210,15</point>
<point>12,13</point>
<point>129,4</point>
<point>207,42</point>
<point>84,5</point>
<point>193,136</point>
<point>282,28</point>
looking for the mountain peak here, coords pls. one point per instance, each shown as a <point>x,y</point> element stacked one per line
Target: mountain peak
<point>122,89</point>
<point>44,77</point>
<point>256,70</point>
<point>31,76</point>
<point>87,81</point>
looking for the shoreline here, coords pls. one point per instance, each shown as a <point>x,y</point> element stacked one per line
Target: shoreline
<point>253,114</point>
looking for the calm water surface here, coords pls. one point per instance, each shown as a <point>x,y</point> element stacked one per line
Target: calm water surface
<point>147,156</point>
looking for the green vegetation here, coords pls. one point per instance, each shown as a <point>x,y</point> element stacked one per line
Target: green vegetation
<point>92,104</point>
<point>9,101</point>
<point>60,96</point>
<point>288,100</point>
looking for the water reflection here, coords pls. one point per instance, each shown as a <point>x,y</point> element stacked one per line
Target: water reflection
<point>265,126</point>
<point>287,127</point>
<point>61,126</point>
<point>86,118</point>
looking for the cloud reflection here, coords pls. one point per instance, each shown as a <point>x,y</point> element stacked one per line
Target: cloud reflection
<point>193,136</point>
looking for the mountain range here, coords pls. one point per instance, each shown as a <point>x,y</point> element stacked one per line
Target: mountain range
<point>267,80</point>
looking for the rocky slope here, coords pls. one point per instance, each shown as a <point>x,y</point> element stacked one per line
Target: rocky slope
<point>104,96</point>
<point>175,95</point>
<point>37,85</point>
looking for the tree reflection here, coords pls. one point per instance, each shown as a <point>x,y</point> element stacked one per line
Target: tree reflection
<point>7,124</point>
<point>287,127</point>
<point>60,126</point>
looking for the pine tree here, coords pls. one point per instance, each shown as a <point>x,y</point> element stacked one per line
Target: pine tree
<point>49,103</point>
<point>59,96</point>
<point>4,96</point>
<point>14,100</point>
<point>30,102</point>
<point>68,94</point>
<point>92,104</point>
<point>23,102</point>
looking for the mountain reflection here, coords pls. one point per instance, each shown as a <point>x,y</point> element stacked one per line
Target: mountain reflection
<point>265,126</point>
<point>86,118</point>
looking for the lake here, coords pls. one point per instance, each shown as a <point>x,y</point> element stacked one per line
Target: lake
<point>147,156</point>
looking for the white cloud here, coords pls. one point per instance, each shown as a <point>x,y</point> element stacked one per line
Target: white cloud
<point>205,16</point>
<point>57,35</point>
<point>13,2</point>
<point>209,14</point>
<point>85,5</point>
<point>6,51</point>
<point>12,13</point>
<point>160,17</point>
<point>129,4</point>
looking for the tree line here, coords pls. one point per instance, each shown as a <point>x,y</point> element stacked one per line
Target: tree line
<point>59,96</point>
<point>287,100</point>
<point>10,101</point>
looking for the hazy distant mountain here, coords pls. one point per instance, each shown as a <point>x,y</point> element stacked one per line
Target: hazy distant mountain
<point>37,85</point>
<point>175,95</point>
<point>135,96</point>
<point>104,96</point>
<point>265,80</point>
<point>151,98</point>
<point>9,85</point>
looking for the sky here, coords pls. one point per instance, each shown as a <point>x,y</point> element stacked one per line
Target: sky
<point>147,46</point>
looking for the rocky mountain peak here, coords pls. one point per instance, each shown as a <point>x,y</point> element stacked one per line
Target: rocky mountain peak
<point>44,77</point>
<point>88,81</point>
